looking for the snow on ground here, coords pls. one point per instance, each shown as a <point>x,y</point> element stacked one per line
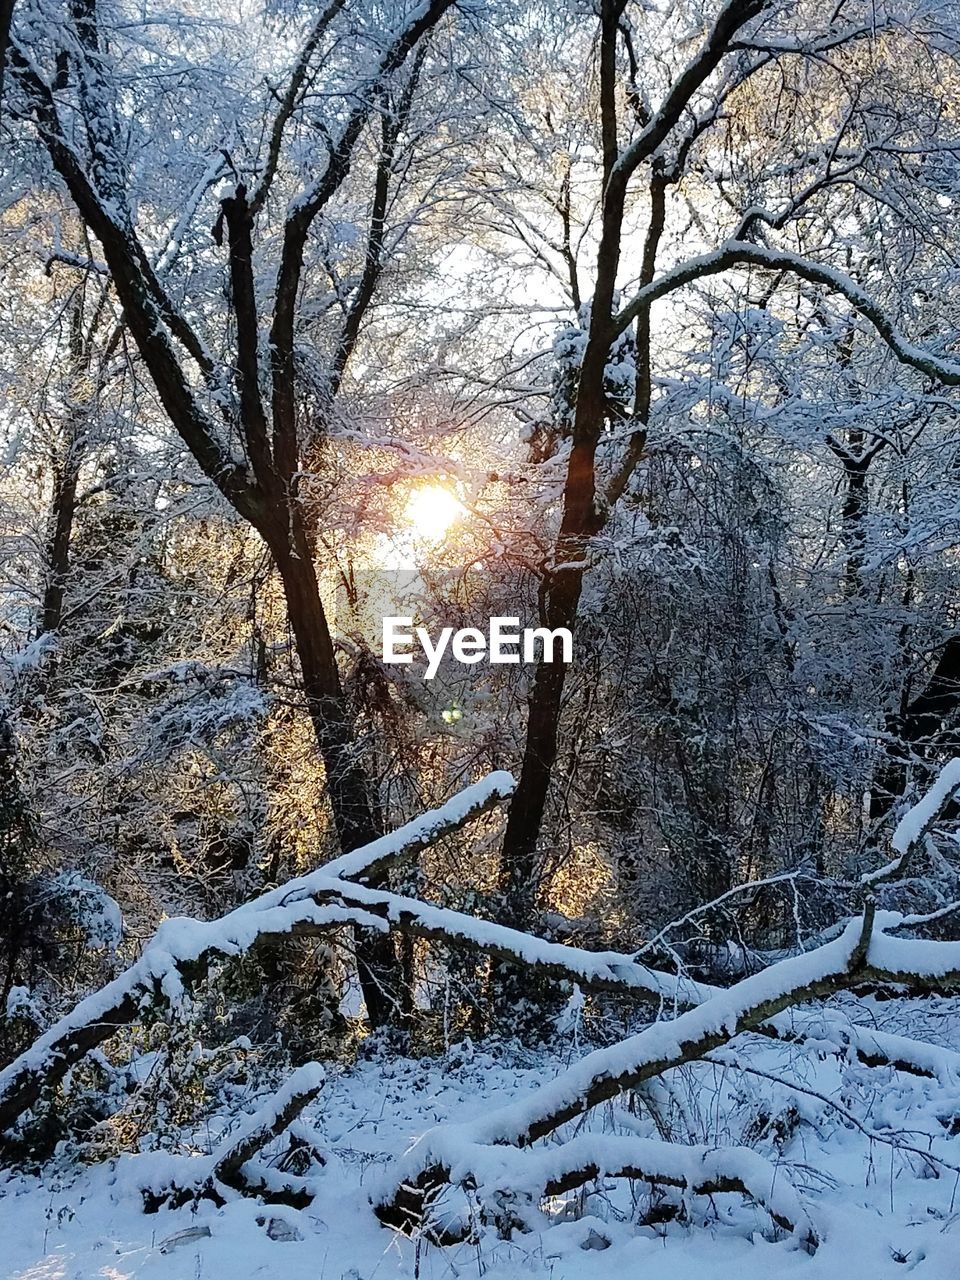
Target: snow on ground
<point>881,1212</point>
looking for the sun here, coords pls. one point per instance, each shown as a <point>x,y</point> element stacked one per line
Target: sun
<point>431,511</point>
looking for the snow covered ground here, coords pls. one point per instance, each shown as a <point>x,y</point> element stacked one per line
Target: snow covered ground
<point>881,1209</point>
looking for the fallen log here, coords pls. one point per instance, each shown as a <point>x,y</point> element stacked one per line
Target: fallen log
<point>507,1178</point>
<point>267,1123</point>
<point>180,953</point>
<point>862,952</point>
<point>183,950</point>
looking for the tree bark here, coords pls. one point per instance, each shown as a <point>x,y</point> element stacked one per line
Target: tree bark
<point>62,512</point>
<point>520,873</point>
<point>351,803</point>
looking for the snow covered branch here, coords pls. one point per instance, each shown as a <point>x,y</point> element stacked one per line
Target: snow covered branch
<point>400,846</point>
<point>182,949</point>
<point>736,253</point>
<point>288,104</point>
<point>179,954</point>
<point>734,15</point>
<point>858,955</point>
<point>302,213</point>
<point>232,1165</point>
<point>916,824</point>
<point>270,1120</point>
<point>509,1177</point>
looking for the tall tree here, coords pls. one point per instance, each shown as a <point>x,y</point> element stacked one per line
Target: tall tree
<point>241,413</point>
<point>655,148</point>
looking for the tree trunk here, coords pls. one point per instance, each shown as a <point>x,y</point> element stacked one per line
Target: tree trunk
<point>520,870</point>
<point>58,545</point>
<point>354,813</point>
<point>856,458</point>
<point>67,469</point>
<point>582,519</point>
<point>6,21</point>
<point>584,510</point>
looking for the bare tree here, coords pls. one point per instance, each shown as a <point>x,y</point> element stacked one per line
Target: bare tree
<point>250,396</point>
<point>740,43</point>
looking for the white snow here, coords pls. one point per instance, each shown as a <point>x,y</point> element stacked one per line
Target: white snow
<point>871,1203</point>
<point>916,822</point>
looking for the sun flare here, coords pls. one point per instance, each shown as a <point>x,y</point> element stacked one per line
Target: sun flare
<point>431,511</point>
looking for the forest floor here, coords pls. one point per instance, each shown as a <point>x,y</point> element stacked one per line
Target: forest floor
<point>881,1210</point>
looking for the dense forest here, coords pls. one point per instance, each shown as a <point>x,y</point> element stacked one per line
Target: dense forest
<point>479,638</point>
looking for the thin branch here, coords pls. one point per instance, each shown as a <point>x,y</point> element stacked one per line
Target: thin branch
<point>289,103</point>
<point>270,1120</point>
<point>393,126</point>
<point>299,221</point>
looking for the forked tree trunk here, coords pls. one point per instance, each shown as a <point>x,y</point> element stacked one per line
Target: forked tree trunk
<point>260,486</point>
<point>585,510</point>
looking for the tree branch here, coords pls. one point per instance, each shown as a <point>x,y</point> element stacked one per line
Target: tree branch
<point>151,320</point>
<point>609,1072</point>
<point>734,15</point>
<point>182,950</point>
<point>303,211</point>
<point>289,103</point>
<point>270,1120</point>
<point>740,252</point>
<point>237,214</point>
<point>496,1174</point>
<point>393,125</point>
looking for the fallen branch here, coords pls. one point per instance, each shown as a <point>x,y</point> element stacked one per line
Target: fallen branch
<point>873,1047</point>
<point>593,970</point>
<point>401,846</point>
<point>614,972</point>
<point>189,1179</point>
<point>916,824</point>
<point>266,1124</point>
<point>179,954</point>
<point>496,1172</point>
<point>861,953</point>
<point>182,950</point>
